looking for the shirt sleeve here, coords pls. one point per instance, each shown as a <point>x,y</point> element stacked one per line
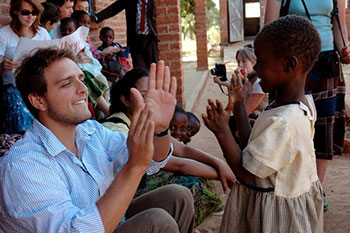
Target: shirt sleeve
<point>2,42</point>
<point>269,148</point>
<point>37,199</point>
<point>155,166</point>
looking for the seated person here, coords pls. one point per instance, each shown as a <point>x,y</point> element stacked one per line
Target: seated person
<point>178,124</point>
<point>95,81</point>
<point>115,58</point>
<point>186,159</point>
<point>50,16</point>
<point>81,5</point>
<point>71,174</point>
<point>193,126</point>
<point>66,9</point>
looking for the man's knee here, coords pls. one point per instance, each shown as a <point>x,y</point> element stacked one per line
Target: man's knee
<point>180,194</point>
<point>161,220</point>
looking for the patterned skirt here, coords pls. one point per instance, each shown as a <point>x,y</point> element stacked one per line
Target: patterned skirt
<point>17,118</point>
<point>329,97</point>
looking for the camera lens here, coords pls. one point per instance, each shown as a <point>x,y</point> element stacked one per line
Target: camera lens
<point>213,71</point>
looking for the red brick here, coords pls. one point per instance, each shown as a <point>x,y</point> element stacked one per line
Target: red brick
<point>169,37</point>
<point>168,19</point>
<point>173,10</point>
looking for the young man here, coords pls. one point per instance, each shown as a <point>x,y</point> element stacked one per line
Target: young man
<point>70,174</point>
<point>81,5</point>
<point>66,8</point>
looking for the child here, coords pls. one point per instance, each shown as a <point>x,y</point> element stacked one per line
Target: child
<point>91,68</point>
<point>81,5</point>
<point>279,190</point>
<point>193,126</point>
<point>178,125</point>
<point>50,16</point>
<point>114,57</point>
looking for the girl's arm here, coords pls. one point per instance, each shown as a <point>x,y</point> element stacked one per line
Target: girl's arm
<point>344,51</point>
<point>253,102</point>
<point>217,121</point>
<point>7,65</point>
<point>272,11</point>
<point>190,167</point>
<point>222,170</point>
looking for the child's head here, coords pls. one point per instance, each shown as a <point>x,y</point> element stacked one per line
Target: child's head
<point>82,18</point>
<point>193,124</point>
<point>246,58</point>
<point>107,36</point>
<point>285,48</point>
<point>178,125</point>
<point>68,26</point>
<point>82,5</point>
<point>50,16</point>
<point>120,91</point>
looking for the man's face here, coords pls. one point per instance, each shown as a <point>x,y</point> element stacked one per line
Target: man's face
<point>66,9</point>
<point>66,99</point>
<point>82,5</point>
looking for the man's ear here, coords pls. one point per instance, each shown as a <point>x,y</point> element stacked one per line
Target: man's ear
<point>37,101</point>
<point>290,63</point>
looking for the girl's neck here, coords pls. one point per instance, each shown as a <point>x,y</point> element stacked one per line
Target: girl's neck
<point>27,32</point>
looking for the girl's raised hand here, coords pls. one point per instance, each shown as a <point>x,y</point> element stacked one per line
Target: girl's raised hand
<point>240,86</point>
<point>217,117</point>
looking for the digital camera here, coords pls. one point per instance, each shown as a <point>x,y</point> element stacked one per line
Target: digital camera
<point>220,71</point>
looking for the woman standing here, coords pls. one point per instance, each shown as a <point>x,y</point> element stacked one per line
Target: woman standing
<point>24,23</point>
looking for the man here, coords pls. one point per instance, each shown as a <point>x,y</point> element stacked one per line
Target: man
<point>66,8</point>
<point>81,5</point>
<point>70,174</point>
<point>141,29</point>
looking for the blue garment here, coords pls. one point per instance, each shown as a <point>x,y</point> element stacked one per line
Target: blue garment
<point>17,118</point>
<point>46,188</point>
<point>320,13</point>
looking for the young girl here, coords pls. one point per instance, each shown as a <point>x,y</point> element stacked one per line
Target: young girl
<point>179,124</point>
<point>25,16</point>
<point>279,190</point>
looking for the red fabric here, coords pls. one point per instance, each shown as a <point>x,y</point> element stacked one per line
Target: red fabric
<point>125,62</point>
<point>91,109</point>
<point>143,16</point>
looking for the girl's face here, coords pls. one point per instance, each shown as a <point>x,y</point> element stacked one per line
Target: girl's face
<point>245,63</point>
<point>269,66</point>
<point>84,21</point>
<point>178,126</point>
<point>67,29</point>
<point>27,14</point>
<point>141,85</point>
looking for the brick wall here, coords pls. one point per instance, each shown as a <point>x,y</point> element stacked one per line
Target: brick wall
<point>5,9</point>
<point>201,34</point>
<point>170,41</point>
<point>117,23</point>
<point>223,22</point>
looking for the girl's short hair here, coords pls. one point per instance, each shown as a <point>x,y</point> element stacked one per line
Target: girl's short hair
<point>50,14</point>
<point>122,88</point>
<point>247,52</point>
<point>15,24</point>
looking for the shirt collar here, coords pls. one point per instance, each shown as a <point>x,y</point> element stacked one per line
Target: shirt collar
<point>52,144</point>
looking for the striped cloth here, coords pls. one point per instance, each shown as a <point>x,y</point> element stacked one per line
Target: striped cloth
<point>138,18</point>
<point>46,188</point>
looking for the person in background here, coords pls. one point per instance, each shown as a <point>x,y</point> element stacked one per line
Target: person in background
<point>193,126</point>
<point>278,189</point>
<point>25,16</point>
<point>66,8</point>
<point>50,16</point>
<point>141,29</point>
<point>82,5</point>
<point>325,81</point>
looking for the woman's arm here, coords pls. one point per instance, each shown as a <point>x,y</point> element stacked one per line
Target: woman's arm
<point>253,102</point>
<point>344,51</point>
<point>272,11</point>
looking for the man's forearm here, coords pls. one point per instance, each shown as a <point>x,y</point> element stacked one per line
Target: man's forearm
<point>114,203</point>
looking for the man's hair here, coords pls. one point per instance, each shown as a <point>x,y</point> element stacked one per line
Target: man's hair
<point>78,14</point>
<point>59,3</point>
<point>123,87</point>
<point>30,78</point>
<point>67,20</point>
<point>50,14</point>
<point>295,36</point>
<point>15,24</point>
<point>75,1</point>
<point>105,30</point>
